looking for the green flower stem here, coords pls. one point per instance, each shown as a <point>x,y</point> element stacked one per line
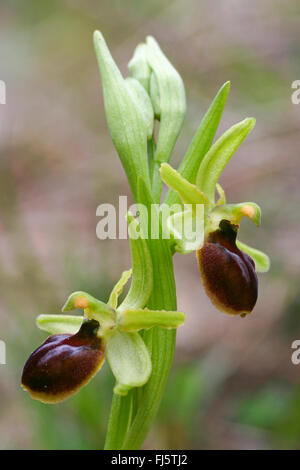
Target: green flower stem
<point>161,342</point>
<point>161,345</point>
<point>119,420</point>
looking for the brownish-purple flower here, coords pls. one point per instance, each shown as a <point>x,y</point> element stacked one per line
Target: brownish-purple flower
<point>63,364</point>
<point>227,273</point>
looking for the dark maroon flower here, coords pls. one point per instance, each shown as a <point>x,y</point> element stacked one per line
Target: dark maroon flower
<point>227,273</point>
<point>63,364</point>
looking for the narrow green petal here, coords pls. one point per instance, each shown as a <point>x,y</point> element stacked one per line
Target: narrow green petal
<point>219,155</point>
<point>139,319</point>
<point>129,360</point>
<point>201,142</point>
<point>118,289</point>
<point>261,260</point>
<point>57,324</point>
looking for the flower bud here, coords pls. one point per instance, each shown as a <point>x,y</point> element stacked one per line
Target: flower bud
<point>63,364</point>
<point>139,68</point>
<point>227,273</point>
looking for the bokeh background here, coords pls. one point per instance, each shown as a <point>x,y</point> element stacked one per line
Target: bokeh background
<point>233,385</point>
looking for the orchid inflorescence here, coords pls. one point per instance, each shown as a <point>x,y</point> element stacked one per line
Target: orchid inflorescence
<point>137,336</point>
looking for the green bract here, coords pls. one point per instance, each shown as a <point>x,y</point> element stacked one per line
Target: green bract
<point>219,155</point>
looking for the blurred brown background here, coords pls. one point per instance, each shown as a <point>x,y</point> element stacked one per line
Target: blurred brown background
<point>233,385</point>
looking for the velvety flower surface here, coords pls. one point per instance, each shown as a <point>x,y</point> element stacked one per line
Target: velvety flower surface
<point>63,364</point>
<point>227,273</point>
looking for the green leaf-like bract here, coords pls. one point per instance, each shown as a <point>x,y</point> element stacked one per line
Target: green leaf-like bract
<point>219,155</point>
<point>201,142</point>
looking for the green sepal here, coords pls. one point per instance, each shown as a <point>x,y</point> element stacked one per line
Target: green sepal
<point>125,121</point>
<point>201,142</point>
<point>129,360</point>
<point>59,324</point>
<point>188,192</point>
<point>144,319</point>
<point>118,289</point>
<point>142,271</point>
<point>261,260</point>
<point>219,155</point>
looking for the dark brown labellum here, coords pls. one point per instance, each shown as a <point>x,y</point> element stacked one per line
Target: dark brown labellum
<point>63,364</point>
<point>227,273</point>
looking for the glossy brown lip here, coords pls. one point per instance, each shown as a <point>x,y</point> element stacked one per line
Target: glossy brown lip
<point>227,273</point>
<point>63,364</point>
